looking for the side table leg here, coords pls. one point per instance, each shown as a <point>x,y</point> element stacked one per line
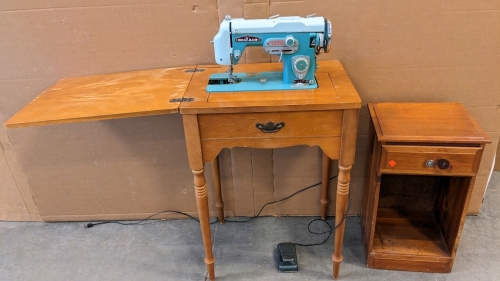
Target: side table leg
<point>346,160</point>
<point>325,185</point>
<point>218,194</point>
<point>202,204</point>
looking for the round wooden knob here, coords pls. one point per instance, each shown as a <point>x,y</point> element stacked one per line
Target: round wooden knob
<point>443,164</point>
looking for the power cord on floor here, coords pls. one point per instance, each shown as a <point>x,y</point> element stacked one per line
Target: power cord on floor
<point>92,224</point>
<point>310,223</point>
<point>89,225</point>
<point>277,201</point>
<point>331,228</point>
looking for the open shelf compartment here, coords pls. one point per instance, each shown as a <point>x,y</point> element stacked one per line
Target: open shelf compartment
<point>417,222</point>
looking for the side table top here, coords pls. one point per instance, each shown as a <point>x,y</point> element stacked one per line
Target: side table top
<point>425,122</point>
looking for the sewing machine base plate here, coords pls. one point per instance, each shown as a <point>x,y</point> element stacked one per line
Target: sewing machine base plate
<point>261,81</point>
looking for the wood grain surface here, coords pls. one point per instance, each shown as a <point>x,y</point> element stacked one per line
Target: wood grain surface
<point>436,122</point>
<point>413,212</point>
<point>107,96</point>
<point>335,92</point>
<point>408,233</point>
<point>326,117</point>
<point>296,124</point>
<point>412,159</point>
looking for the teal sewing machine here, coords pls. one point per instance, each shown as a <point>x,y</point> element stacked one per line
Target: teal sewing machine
<point>295,40</point>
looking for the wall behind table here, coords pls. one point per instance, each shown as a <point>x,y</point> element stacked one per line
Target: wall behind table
<point>497,162</point>
<point>130,168</point>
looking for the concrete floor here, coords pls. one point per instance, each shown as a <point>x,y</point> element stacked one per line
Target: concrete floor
<point>172,250</point>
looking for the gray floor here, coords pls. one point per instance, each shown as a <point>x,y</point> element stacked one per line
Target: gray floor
<point>172,250</point>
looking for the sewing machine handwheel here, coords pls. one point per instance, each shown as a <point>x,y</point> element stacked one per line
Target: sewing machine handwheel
<point>270,127</point>
<point>327,43</point>
<point>327,46</point>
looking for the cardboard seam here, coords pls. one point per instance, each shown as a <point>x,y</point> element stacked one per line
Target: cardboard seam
<point>78,7</point>
<point>497,106</point>
<point>253,185</point>
<point>219,20</point>
<point>231,156</point>
<point>368,69</point>
<point>105,165</point>
<point>244,13</point>
<point>9,207</point>
<point>29,79</point>
<point>256,3</point>
<point>286,1</point>
<point>467,11</point>
<point>233,207</point>
<point>15,180</point>
<point>273,181</point>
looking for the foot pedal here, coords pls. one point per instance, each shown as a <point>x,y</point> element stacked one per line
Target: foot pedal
<point>287,258</point>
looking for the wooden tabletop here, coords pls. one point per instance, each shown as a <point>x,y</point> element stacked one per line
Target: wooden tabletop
<point>107,96</point>
<point>429,122</point>
<point>149,92</point>
<point>335,91</point>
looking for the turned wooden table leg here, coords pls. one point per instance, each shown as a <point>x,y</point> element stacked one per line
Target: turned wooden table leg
<point>218,194</point>
<point>200,188</point>
<point>346,159</point>
<point>325,185</point>
<point>195,157</point>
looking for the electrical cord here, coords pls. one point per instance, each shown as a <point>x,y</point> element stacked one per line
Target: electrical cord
<point>273,202</point>
<point>310,223</point>
<point>92,224</point>
<point>89,225</point>
<point>331,228</point>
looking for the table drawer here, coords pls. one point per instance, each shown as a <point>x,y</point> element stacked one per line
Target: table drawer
<point>431,160</point>
<point>270,124</point>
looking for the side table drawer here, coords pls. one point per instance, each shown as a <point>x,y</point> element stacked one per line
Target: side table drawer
<point>429,160</point>
<point>293,124</point>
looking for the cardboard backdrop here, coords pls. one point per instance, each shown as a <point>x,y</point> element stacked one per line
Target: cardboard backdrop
<point>436,51</point>
<point>497,162</point>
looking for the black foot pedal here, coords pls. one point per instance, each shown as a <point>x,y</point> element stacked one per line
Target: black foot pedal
<point>287,258</point>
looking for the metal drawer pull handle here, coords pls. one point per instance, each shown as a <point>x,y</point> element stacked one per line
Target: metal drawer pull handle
<point>270,127</point>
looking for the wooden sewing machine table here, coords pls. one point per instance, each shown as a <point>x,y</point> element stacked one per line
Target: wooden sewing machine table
<point>326,117</point>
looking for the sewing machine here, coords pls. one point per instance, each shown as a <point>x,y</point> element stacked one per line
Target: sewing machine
<point>295,40</point>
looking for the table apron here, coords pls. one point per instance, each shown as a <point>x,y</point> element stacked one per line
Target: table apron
<point>211,147</point>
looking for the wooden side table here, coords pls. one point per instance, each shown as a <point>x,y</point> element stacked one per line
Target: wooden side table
<point>326,117</point>
<point>420,173</point>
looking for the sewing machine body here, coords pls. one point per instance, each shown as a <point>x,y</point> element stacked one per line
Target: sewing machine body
<point>295,40</point>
